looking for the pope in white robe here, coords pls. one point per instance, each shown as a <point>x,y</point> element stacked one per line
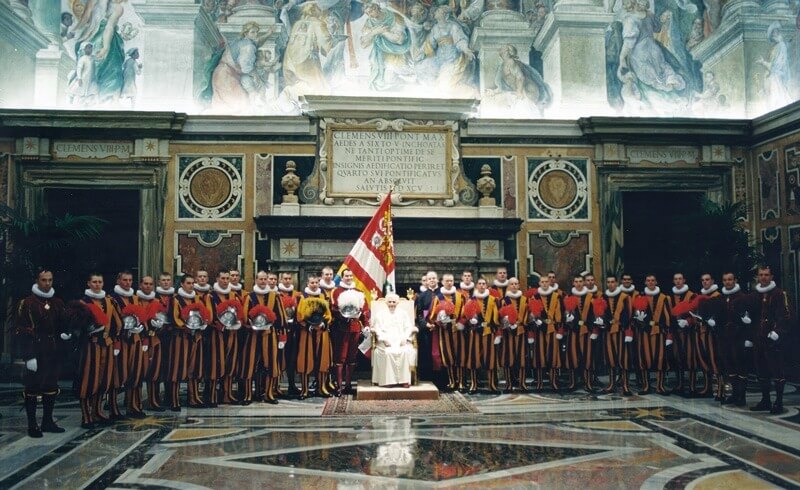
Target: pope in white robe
<point>394,354</point>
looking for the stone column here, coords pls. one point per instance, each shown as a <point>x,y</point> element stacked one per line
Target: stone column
<point>46,16</point>
<point>731,53</point>
<point>572,43</point>
<point>495,29</point>
<point>170,55</point>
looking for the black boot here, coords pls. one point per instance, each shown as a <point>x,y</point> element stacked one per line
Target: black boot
<point>48,424</point>
<point>764,405</point>
<point>777,407</point>
<point>741,399</point>
<point>30,410</point>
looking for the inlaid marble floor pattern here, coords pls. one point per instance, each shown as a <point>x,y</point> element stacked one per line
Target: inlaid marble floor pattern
<point>545,440</point>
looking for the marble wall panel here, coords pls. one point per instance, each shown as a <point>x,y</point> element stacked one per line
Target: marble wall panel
<point>262,184</point>
<point>558,189</point>
<point>565,252</point>
<point>209,249</point>
<point>771,239</point>
<point>210,187</point>
<point>769,185</point>
<point>792,181</point>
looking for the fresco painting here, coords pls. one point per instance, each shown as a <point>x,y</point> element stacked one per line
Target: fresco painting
<point>272,52</point>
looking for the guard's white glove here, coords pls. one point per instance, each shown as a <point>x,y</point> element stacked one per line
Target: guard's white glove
<point>145,347</point>
<point>599,321</point>
<point>31,365</point>
<point>281,345</point>
<point>513,326</point>
<point>559,336</point>
<point>497,340</point>
<point>593,336</point>
<point>570,317</point>
<point>748,344</point>
<point>531,340</point>
<point>473,321</point>
<point>668,342</point>
<point>773,336</point>
<point>538,322</point>
<point>116,352</point>
<point>746,318</point>
<point>640,315</point>
<point>66,336</point>
<point>683,322</point>
<point>365,331</point>
<point>628,339</point>
<point>711,322</point>
<point>290,320</point>
<point>459,326</point>
<point>322,325</point>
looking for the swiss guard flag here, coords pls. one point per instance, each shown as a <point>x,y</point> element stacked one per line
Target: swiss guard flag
<point>372,257</point>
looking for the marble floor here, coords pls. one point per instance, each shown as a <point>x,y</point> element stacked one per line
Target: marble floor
<point>544,440</point>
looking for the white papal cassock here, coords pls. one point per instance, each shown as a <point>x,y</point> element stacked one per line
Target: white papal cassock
<point>394,354</point>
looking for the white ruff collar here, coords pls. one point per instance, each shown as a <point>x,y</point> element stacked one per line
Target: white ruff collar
<point>546,292</point>
<point>161,290</point>
<point>284,289</point>
<point>312,293</point>
<point>235,287</point>
<point>628,290</point>
<point>202,289</point>
<point>183,294</point>
<point>681,290</point>
<point>582,292</point>
<point>448,291</point>
<point>38,292</point>
<point>219,290</point>
<point>615,292</point>
<point>142,295</point>
<point>266,290</point>
<point>467,287</point>
<point>555,287</point>
<point>516,295</point>
<point>482,295</point>
<point>652,292</point>
<point>499,284</point>
<point>93,295</point>
<point>327,285</point>
<point>422,289</point>
<point>765,289</point>
<point>347,286</point>
<point>710,290</point>
<point>735,289</point>
<point>592,290</point>
<point>123,292</point>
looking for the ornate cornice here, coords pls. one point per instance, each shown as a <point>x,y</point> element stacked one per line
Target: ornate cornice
<point>99,124</point>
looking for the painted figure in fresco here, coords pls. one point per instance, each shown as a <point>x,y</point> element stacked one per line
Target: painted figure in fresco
<point>130,70</point>
<point>82,88</point>
<point>709,100</point>
<point>97,24</point>
<point>390,41</point>
<point>66,22</point>
<point>308,41</point>
<point>234,71</point>
<point>641,55</point>
<point>450,64</point>
<point>672,39</point>
<point>778,76</point>
<point>420,25</point>
<point>519,83</point>
<point>697,35</point>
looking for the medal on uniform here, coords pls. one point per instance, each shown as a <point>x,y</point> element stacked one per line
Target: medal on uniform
<point>47,306</point>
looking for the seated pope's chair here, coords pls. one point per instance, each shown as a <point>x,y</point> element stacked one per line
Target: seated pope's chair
<point>377,307</point>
